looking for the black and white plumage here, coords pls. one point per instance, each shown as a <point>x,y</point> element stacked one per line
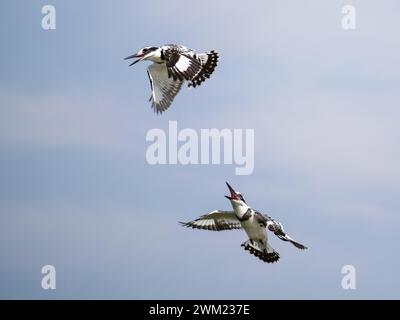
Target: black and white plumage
<point>172,66</point>
<point>254,223</point>
<point>277,228</point>
<point>216,220</point>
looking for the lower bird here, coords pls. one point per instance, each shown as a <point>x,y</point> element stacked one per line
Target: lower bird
<point>254,223</point>
<point>172,66</point>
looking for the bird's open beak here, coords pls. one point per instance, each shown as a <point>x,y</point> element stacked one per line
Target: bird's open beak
<point>234,195</point>
<point>135,56</point>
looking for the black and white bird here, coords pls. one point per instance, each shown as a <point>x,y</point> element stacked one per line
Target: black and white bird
<point>254,223</point>
<point>172,66</point>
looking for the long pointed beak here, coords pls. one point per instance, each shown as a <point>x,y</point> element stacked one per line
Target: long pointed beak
<point>134,56</point>
<point>234,195</point>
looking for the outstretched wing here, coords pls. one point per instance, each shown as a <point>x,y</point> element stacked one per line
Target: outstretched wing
<point>163,88</point>
<point>277,228</point>
<point>215,221</point>
<point>180,65</point>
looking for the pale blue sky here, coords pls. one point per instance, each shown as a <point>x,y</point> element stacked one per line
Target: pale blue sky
<point>76,191</point>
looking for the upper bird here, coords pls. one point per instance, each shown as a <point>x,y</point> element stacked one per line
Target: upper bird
<point>253,222</point>
<point>172,66</point>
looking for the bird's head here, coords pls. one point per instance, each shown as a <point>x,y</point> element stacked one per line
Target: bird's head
<point>237,200</point>
<point>143,54</point>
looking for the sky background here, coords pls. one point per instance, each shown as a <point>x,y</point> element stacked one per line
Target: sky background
<point>76,191</point>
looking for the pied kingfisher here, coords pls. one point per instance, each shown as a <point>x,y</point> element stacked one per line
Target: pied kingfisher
<point>253,222</point>
<point>172,66</point>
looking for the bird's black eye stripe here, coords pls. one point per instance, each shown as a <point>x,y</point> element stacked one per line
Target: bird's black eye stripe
<point>149,49</point>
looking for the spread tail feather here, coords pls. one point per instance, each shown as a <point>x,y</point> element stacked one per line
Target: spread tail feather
<point>208,63</point>
<point>258,249</point>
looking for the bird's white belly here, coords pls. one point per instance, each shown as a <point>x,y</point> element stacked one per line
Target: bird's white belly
<point>254,230</point>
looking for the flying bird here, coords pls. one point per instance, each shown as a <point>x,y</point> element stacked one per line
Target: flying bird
<point>172,66</point>
<point>254,223</point>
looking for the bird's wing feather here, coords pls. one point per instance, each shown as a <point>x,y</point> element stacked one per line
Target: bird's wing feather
<point>163,88</point>
<point>260,218</point>
<point>215,221</point>
<point>181,66</point>
<point>277,229</point>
